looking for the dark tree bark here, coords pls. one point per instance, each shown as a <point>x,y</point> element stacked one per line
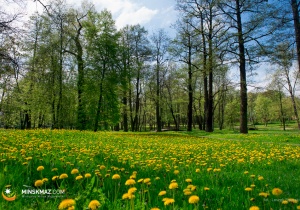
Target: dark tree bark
<point>242,67</point>
<point>295,8</point>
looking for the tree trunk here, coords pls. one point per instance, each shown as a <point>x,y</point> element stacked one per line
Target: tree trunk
<point>243,82</point>
<point>80,82</point>
<point>190,89</point>
<point>295,8</point>
<point>158,113</point>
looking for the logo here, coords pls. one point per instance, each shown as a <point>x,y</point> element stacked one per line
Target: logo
<point>8,193</point>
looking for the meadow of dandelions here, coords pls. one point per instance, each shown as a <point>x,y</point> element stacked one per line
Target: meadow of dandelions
<point>110,170</point>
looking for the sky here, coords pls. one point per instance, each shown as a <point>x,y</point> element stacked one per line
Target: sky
<point>152,14</point>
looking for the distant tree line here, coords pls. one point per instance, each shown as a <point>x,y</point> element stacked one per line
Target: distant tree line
<point>72,68</point>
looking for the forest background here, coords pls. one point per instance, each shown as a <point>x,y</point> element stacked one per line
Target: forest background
<point>72,67</point>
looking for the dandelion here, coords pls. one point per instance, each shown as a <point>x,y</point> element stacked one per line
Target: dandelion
<point>162,193</point>
<point>157,178</point>
<point>254,208</point>
<point>54,169</point>
<point>187,192</point>
<point>38,183</point>
<point>188,180</point>
<point>55,178</point>
<point>197,170</point>
<point>45,180</point>
<point>63,176</point>
<point>87,175</point>
<point>40,168</point>
<point>176,172</point>
<point>292,200</point>
<point>276,191</point>
<point>260,178</point>
<point>130,182</point>
<point>154,208</point>
<point>194,199</point>
<point>263,194</point>
<point>246,172</point>
<point>127,196</point>
<point>78,177</point>
<point>147,180</point>
<point>74,171</point>
<point>285,202</point>
<point>298,207</point>
<point>116,176</point>
<point>248,189</point>
<point>173,186</point>
<point>132,190</point>
<point>94,204</point>
<point>206,188</point>
<point>66,204</point>
<point>102,167</point>
<point>169,201</point>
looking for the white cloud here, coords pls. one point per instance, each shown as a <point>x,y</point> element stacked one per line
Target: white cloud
<point>126,12</point>
<point>135,16</point>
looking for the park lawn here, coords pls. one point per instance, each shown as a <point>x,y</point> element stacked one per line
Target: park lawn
<point>121,170</point>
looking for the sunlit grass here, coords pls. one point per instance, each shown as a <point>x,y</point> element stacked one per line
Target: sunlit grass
<point>115,170</point>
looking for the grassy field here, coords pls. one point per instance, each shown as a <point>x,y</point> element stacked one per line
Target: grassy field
<point>60,169</point>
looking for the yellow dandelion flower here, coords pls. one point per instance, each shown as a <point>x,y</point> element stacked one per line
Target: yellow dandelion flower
<point>169,201</point>
<point>252,176</point>
<point>285,202</point>
<point>188,180</point>
<point>25,163</point>
<point>254,208</point>
<point>292,200</point>
<point>276,191</point>
<point>173,186</point>
<point>154,208</point>
<point>102,167</point>
<point>147,180</point>
<point>54,169</point>
<point>209,169</point>
<point>157,178</point>
<point>253,185</point>
<point>74,171</point>
<point>66,204</point>
<point>140,180</point>
<point>133,176</point>
<point>40,168</point>
<point>194,199</point>
<point>187,192</point>
<point>162,193</point>
<point>38,183</point>
<point>248,189</point>
<point>132,190</point>
<point>260,178</point>
<point>246,172</point>
<point>63,176</point>
<point>116,176</point>
<point>206,188</point>
<point>45,180</point>
<point>55,178</point>
<point>130,182</point>
<point>78,177</point>
<point>94,204</point>
<point>197,170</point>
<point>298,207</point>
<point>263,194</point>
<point>127,196</point>
<point>176,172</point>
<point>87,175</point>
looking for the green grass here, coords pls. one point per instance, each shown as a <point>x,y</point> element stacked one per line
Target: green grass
<point>222,161</point>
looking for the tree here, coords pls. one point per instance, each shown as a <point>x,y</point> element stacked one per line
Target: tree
<point>248,24</point>
<point>102,38</point>
<point>160,46</point>
<point>283,57</point>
